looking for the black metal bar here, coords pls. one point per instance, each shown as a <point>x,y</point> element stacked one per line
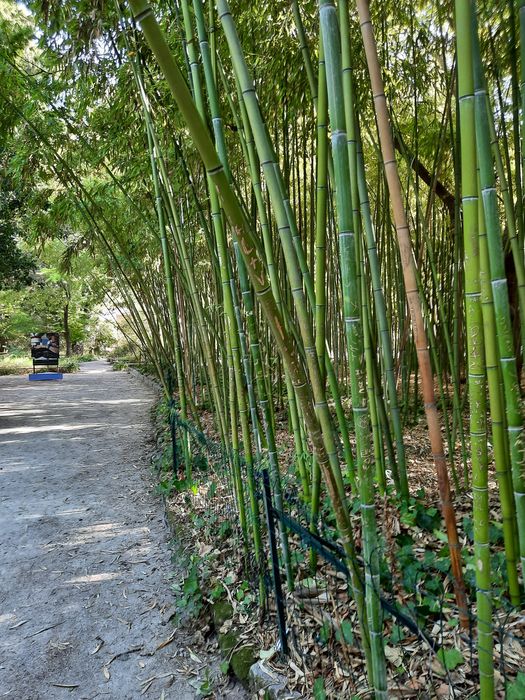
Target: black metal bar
<point>277,584</point>
<point>330,552</point>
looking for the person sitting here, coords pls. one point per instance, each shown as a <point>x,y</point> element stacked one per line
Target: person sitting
<point>52,346</point>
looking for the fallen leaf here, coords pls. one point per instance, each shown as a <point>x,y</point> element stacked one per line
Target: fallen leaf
<point>98,647</point>
<point>393,655</point>
<point>295,669</point>
<point>267,654</point>
<point>18,624</point>
<point>194,656</point>
<point>443,690</point>
<point>45,629</point>
<point>166,641</point>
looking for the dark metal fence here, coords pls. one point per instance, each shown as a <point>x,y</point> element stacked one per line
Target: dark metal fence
<point>312,621</point>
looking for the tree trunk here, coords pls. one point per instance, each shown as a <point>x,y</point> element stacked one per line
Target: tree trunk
<point>67,334</point>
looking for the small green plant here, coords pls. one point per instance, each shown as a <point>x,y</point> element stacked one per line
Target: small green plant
<point>242,591</point>
<point>190,601</point>
<point>325,632</point>
<point>245,597</point>
<point>225,530</point>
<point>516,689</point>
<point>397,634</point>
<point>450,658</point>
<point>319,689</point>
<point>417,513</point>
<point>119,365</point>
<point>86,358</point>
<point>217,592</point>
<point>199,462</point>
<point>69,365</point>
<point>345,633</point>
<point>206,687</point>
<point>165,487</point>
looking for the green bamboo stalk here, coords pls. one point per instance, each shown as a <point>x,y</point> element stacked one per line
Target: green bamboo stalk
<point>497,414</point>
<point>231,321</point>
<point>320,252</point>
<point>353,325</point>
<point>221,149</point>
<point>516,124</point>
<point>172,308</point>
<point>398,469</point>
<point>167,271</point>
<point>475,347</point>
<point>297,272</point>
<point>439,308</point>
<point>300,448</point>
<point>236,476</point>
<point>516,248</point>
<point>521,11</point>
<point>414,303</point>
<point>202,325</point>
<point>321,208</point>
<point>501,300</point>
<point>198,131</point>
<point>324,166</point>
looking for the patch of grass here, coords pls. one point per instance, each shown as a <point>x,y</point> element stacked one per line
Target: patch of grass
<point>69,364</point>
<point>119,365</point>
<point>15,363</point>
<point>124,362</point>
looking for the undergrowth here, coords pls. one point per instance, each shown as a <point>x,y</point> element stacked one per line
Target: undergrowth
<point>424,644</point>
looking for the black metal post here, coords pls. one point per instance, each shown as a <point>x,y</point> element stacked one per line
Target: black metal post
<point>173,429</point>
<point>277,585</point>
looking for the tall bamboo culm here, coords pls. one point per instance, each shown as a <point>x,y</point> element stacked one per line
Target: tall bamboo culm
<point>144,15</point>
<point>414,304</point>
<point>475,347</point>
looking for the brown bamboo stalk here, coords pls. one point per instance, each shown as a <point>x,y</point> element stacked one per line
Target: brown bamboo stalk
<point>414,303</point>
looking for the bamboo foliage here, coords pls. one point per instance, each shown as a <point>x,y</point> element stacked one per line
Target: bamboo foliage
<point>256,270</point>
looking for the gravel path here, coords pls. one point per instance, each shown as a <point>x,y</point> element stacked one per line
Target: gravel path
<point>84,559</point>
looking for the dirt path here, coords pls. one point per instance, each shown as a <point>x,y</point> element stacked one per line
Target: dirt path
<point>84,559</point>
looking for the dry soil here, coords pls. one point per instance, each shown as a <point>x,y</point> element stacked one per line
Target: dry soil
<point>85,601</point>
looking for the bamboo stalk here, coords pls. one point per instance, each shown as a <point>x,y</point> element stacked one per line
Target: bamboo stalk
<point>475,348</point>
<point>414,304</point>
<point>144,14</point>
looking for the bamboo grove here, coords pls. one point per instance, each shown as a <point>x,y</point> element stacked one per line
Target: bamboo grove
<point>315,208</point>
